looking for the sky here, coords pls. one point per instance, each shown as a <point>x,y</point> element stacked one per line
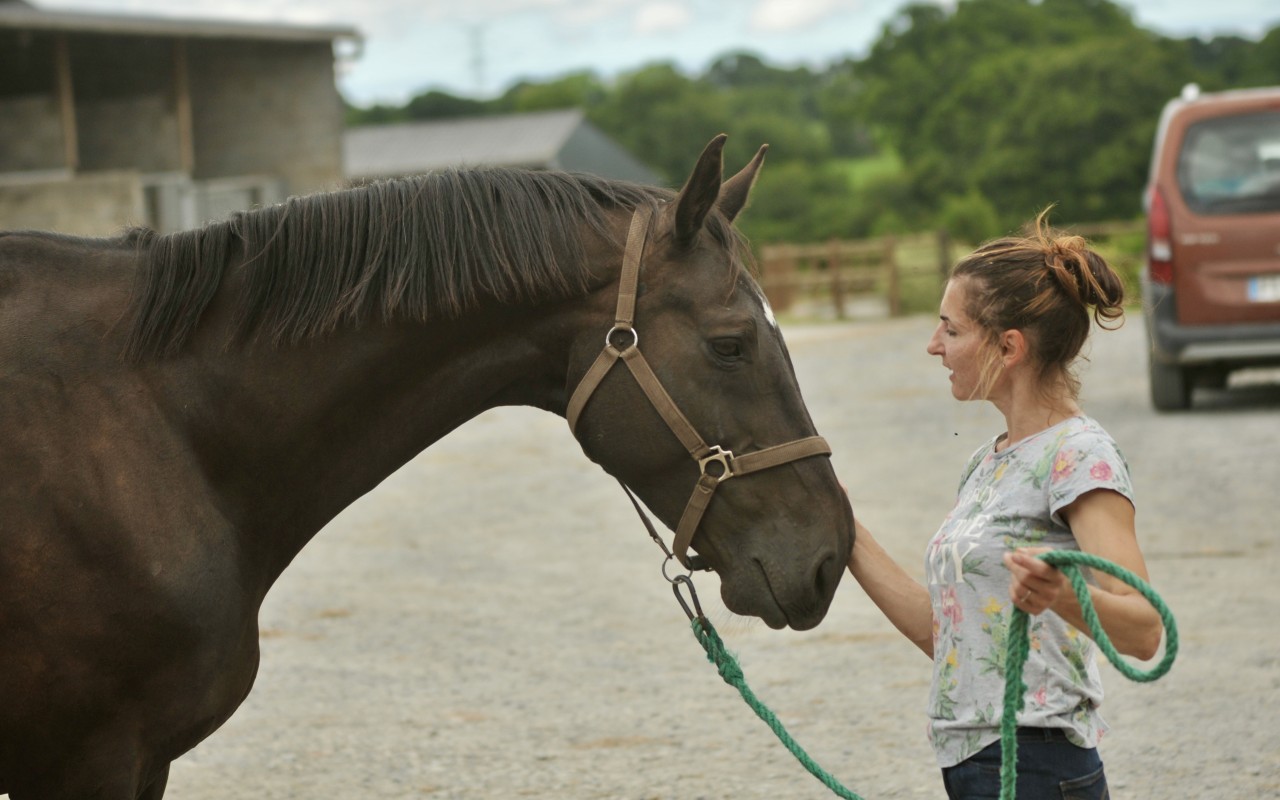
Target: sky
<point>479,48</point>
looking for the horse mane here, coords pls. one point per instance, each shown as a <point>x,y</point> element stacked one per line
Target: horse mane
<point>418,248</point>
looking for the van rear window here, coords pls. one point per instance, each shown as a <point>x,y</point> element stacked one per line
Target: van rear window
<point>1231,165</point>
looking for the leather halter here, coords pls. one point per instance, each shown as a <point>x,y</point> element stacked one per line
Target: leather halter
<point>716,464</point>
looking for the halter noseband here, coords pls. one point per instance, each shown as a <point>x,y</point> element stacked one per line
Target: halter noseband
<point>716,464</point>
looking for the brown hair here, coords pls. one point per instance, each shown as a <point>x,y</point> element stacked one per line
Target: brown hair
<point>1043,284</point>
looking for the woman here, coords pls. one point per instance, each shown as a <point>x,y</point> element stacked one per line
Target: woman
<point>1014,316</point>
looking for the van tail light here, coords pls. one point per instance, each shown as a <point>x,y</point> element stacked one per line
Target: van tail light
<point>1159,239</point>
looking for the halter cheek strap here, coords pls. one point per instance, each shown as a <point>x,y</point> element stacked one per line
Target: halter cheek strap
<point>716,464</point>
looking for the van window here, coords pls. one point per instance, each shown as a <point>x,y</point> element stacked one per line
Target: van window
<point>1231,165</point>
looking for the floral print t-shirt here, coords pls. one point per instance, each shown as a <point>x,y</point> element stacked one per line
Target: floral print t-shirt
<point>1012,499</point>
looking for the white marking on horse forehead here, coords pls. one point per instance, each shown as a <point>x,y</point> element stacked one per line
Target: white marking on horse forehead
<point>768,309</point>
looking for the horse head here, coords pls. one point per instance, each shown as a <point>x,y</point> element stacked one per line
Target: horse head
<point>706,424</point>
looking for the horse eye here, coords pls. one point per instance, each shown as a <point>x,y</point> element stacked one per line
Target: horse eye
<point>727,348</point>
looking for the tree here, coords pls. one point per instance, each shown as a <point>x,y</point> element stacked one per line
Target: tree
<point>1222,62</point>
<point>435,104</point>
<point>1262,68</point>
<point>744,70</point>
<point>838,111</point>
<point>1077,130</point>
<point>573,90</point>
<point>1029,103</point>
<point>793,201</point>
<point>662,116</point>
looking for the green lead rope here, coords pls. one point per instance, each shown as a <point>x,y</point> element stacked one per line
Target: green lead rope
<point>1069,561</point>
<point>1015,688</point>
<point>732,674</point>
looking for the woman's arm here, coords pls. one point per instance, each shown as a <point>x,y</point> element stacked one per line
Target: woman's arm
<point>902,599</point>
<point>1102,522</point>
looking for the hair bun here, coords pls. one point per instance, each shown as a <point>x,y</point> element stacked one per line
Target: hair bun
<point>1084,274</point>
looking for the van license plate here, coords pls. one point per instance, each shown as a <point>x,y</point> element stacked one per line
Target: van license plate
<point>1264,289</point>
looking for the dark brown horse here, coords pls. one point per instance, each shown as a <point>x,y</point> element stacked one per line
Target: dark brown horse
<point>180,414</point>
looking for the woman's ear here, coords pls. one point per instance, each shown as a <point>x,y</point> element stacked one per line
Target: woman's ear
<point>1013,348</point>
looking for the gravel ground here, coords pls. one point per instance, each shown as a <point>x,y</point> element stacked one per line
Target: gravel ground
<point>491,621</point>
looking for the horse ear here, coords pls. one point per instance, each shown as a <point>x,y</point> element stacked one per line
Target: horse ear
<point>734,192</point>
<point>699,194</point>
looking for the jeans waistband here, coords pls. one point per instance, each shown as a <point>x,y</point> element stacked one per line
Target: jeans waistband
<point>1042,734</point>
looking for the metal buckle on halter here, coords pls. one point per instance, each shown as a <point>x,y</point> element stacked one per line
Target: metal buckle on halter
<point>718,455</point>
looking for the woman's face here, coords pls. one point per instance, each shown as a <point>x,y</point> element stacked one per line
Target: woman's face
<point>961,342</point>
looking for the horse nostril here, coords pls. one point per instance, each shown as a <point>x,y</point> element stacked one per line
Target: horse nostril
<point>821,579</point>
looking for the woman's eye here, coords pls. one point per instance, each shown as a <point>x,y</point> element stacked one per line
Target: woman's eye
<point>727,348</point>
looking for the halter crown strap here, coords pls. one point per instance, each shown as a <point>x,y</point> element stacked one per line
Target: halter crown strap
<point>623,318</point>
<point>637,234</point>
<point>726,464</point>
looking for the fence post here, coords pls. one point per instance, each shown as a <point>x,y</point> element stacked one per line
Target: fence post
<point>772,280</point>
<point>837,283</point>
<point>778,275</point>
<point>894,279</point>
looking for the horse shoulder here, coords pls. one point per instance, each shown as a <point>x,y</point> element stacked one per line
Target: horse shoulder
<point>108,587</point>
<point>114,617</point>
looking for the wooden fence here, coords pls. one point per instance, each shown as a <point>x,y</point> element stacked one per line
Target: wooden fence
<point>840,271</point>
<point>808,278</point>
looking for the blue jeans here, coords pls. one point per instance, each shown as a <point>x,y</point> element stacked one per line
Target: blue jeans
<point>1049,768</point>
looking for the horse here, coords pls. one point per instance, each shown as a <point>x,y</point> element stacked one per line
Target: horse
<point>182,413</point>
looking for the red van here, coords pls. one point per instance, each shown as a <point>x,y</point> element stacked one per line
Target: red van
<point>1211,287</point>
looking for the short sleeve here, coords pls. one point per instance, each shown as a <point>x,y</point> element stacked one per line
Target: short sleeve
<point>1086,461</point>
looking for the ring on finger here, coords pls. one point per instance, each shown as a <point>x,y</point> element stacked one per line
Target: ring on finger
<point>1024,597</point>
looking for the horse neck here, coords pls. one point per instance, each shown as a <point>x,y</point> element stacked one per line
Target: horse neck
<point>290,436</point>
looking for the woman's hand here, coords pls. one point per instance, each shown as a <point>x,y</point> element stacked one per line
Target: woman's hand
<point>1035,585</point>
<point>1102,522</point>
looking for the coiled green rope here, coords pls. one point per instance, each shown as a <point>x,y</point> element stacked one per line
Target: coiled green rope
<point>1018,645</point>
<point>1015,689</point>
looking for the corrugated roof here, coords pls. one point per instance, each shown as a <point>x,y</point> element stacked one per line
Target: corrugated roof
<point>19,15</point>
<point>519,140</point>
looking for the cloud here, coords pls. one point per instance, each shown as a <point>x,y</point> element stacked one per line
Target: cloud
<point>661,17</point>
<point>778,16</point>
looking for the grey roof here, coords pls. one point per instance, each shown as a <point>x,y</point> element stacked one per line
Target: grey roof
<point>24,16</point>
<point>539,140</point>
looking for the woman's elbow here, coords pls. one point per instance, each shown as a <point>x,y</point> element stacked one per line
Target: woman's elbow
<point>1146,646</point>
<point>925,644</point>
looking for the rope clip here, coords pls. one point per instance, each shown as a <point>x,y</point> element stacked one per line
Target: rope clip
<point>694,612</point>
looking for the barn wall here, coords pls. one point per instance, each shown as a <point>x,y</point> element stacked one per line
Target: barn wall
<point>267,108</point>
<point>125,106</point>
<point>266,121</point>
<point>100,204</point>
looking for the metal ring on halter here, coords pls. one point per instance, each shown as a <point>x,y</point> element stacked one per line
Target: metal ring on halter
<point>668,560</point>
<point>635,337</point>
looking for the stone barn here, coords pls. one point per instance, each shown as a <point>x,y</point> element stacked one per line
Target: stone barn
<point>113,120</point>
